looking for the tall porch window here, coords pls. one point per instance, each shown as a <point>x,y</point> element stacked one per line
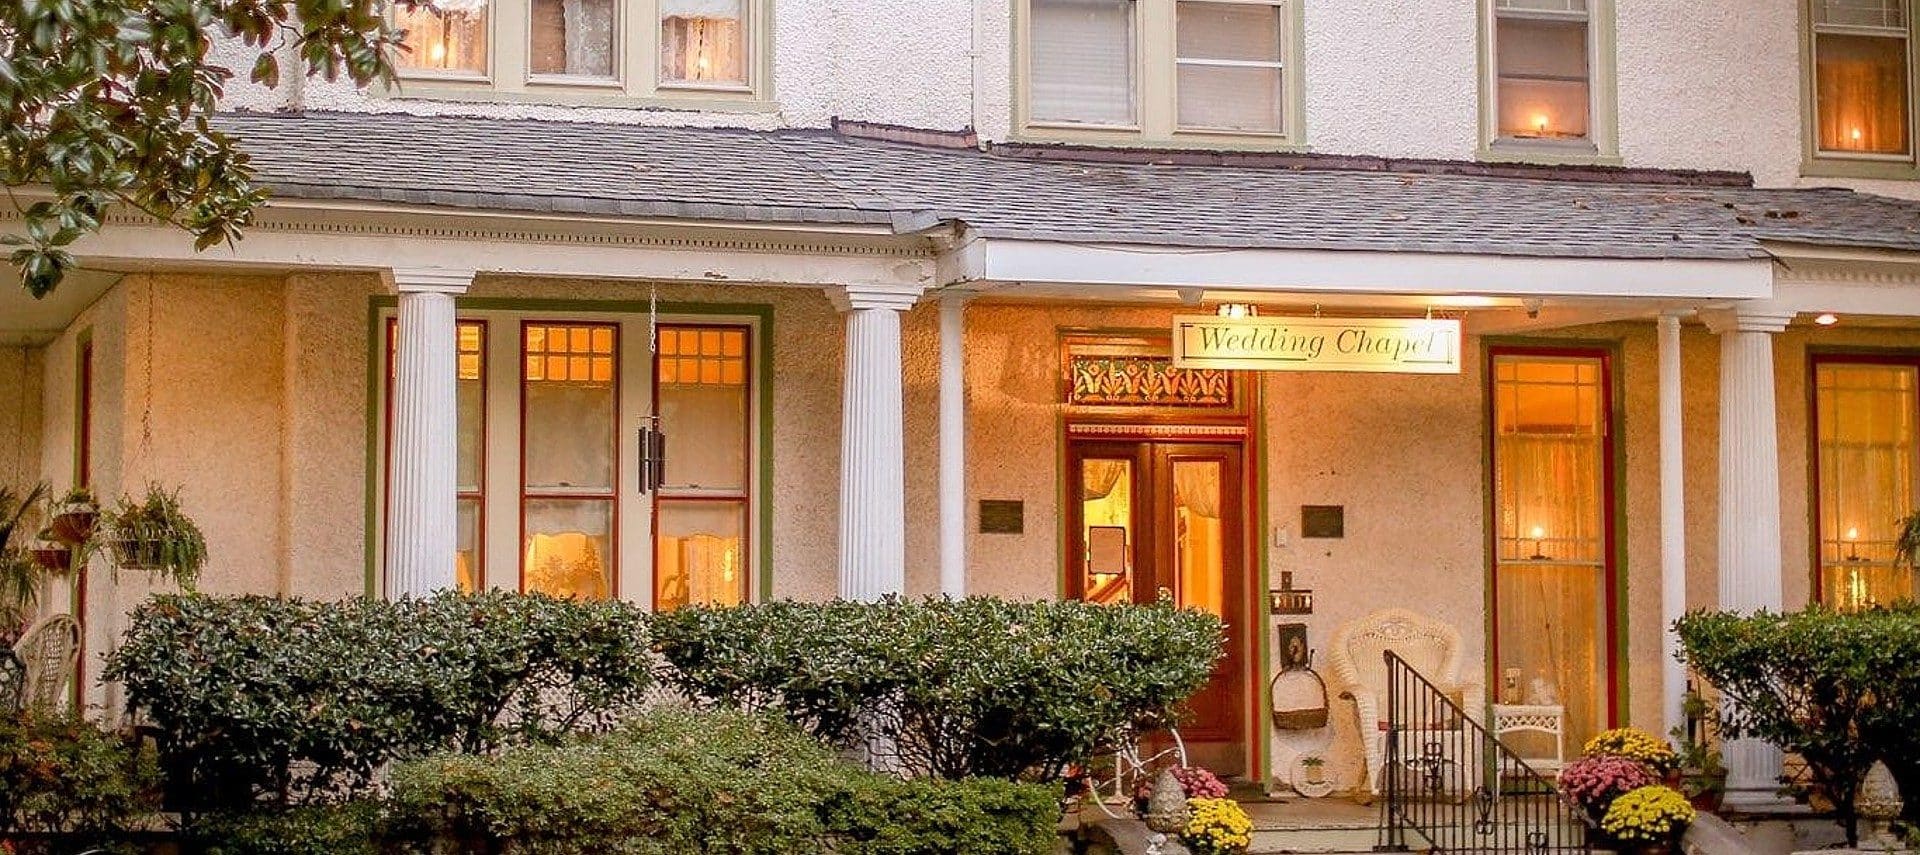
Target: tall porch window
<point>1864,412</point>
<point>1552,574</point>
<point>700,533</point>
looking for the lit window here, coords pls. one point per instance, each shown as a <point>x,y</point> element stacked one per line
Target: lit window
<point>703,42</point>
<point>1160,71</point>
<point>569,410</point>
<point>1553,624</point>
<point>1864,415</point>
<point>702,391</point>
<point>1542,69</point>
<point>449,36</point>
<point>1861,72</point>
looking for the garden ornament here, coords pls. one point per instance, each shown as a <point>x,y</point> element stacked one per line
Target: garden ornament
<point>1879,805</point>
<point>1167,804</point>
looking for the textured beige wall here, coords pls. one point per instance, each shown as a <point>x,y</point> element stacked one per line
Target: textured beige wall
<point>20,402</point>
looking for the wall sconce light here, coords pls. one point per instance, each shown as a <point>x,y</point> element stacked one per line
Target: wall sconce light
<point>1826,319</point>
<point>1238,310</point>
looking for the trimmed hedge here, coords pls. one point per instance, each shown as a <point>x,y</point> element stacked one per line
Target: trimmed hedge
<point>295,701</point>
<point>714,782</point>
<point>959,688</point>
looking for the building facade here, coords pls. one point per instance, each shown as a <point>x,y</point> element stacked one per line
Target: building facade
<point>900,282</point>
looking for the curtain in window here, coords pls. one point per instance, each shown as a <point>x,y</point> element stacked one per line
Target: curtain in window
<point>450,36</point>
<point>1867,443</point>
<point>1230,76</point>
<point>573,37</point>
<point>701,41</point>
<point>1098,477</point>
<point>1862,93</point>
<point>1080,57</point>
<point>1543,77</point>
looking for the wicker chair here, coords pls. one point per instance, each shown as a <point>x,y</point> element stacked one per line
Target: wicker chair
<point>49,650</point>
<point>1431,647</point>
<point>13,681</point>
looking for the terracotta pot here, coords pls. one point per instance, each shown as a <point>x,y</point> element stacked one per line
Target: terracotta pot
<point>74,527</point>
<point>58,559</point>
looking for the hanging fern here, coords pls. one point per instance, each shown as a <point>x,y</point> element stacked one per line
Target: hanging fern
<point>20,577</point>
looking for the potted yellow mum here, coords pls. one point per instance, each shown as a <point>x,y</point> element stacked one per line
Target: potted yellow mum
<point>1648,820</point>
<point>1216,827</point>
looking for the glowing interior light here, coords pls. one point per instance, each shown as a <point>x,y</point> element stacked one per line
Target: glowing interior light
<point>1853,534</point>
<point>437,53</point>
<point>1540,122</point>
<point>1855,134</point>
<point>1237,310</point>
<point>1827,319</point>
<point>1538,533</point>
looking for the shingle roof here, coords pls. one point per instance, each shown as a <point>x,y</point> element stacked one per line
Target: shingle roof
<point>821,177</point>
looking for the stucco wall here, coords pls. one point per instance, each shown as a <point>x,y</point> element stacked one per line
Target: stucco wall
<point>20,401</point>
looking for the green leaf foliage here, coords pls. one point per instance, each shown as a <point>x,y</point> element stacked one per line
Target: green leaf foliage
<point>110,101</point>
<point>296,701</point>
<point>65,776</point>
<point>978,687</point>
<point>1840,689</point>
<point>683,781</point>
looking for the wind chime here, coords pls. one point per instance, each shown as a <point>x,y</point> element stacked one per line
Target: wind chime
<point>652,440</point>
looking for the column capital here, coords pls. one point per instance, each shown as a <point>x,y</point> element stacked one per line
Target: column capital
<point>438,280</point>
<point>1744,319</point>
<point>850,298</point>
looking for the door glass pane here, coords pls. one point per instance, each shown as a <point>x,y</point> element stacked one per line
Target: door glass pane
<point>1106,501</point>
<point>467,572</point>
<point>450,35</point>
<point>570,407</point>
<point>703,41</point>
<point>569,548</point>
<point>1080,59</point>
<point>1229,66</point>
<point>699,553</point>
<point>1551,571</point>
<point>1861,83</point>
<point>1866,439</point>
<point>572,37</point>
<point>702,375</point>
<point>1199,541</point>
<point>1543,77</point>
<point>470,404</point>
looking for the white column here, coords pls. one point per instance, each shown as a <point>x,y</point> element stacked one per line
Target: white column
<point>873,522</point>
<point>953,446</point>
<point>1750,549</point>
<point>1673,521</point>
<point>421,510</point>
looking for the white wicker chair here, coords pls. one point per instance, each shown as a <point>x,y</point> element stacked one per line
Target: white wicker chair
<point>50,649</point>
<point>1357,661</point>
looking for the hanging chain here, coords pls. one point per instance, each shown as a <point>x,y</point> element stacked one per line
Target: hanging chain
<point>653,320</point>
<point>146,406</point>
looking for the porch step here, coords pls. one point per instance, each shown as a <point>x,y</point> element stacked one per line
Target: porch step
<point>1320,826</point>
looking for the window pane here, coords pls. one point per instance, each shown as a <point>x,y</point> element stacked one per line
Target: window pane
<point>1229,66</point>
<point>451,37</point>
<point>1862,93</point>
<point>470,405</point>
<point>1891,14</point>
<point>1867,443</point>
<point>1542,71</point>
<point>1550,456</point>
<point>573,37</point>
<point>1081,61</point>
<point>570,411</point>
<point>1106,495</point>
<point>703,41</point>
<point>699,556</point>
<point>1200,550</point>
<point>569,548</point>
<point>704,407</point>
<point>467,572</point>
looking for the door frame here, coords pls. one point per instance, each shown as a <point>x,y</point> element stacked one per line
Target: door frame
<point>1613,396</point>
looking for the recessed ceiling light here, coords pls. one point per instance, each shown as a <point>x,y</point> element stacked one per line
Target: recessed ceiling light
<point>1827,319</point>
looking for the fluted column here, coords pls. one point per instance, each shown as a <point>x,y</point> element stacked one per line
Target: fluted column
<point>873,523</point>
<point>1673,521</point>
<point>953,445</point>
<point>1750,549</point>
<point>421,509</point>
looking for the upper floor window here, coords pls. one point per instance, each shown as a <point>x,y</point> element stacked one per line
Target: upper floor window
<point>1161,71</point>
<point>1548,90</point>
<point>1862,68</point>
<point>583,50</point>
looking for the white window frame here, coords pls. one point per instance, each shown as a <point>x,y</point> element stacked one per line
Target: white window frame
<point>1863,164</point>
<point>1156,90</point>
<point>1602,145</point>
<point>636,80</point>
<point>501,536</point>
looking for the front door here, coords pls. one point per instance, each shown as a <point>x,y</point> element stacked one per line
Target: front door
<point>1153,517</point>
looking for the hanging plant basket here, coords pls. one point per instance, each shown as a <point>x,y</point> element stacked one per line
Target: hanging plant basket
<point>53,557</point>
<point>74,526</point>
<point>1312,717</point>
<point>146,556</point>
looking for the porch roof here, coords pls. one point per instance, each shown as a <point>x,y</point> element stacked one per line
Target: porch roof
<point>821,177</point>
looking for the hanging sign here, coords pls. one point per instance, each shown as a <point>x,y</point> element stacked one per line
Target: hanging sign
<point>1388,345</point>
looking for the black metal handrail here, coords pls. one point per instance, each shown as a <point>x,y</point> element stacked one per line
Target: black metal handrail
<point>1454,787</point>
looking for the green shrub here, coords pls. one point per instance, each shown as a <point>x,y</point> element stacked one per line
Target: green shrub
<point>978,687</point>
<point>1825,685</point>
<point>681,781</point>
<point>299,701</point>
<point>333,829</point>
<point>65,776</point>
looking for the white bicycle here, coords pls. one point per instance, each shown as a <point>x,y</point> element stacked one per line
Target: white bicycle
<point>1139,759</point>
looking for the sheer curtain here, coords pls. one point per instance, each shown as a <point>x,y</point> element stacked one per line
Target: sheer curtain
<point>573,38</point>
<point>1865,414</point>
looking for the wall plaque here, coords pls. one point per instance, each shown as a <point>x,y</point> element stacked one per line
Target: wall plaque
<point>1325,521</point>
<point>1002,516</point>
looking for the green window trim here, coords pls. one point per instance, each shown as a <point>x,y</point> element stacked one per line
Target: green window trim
<point>1602,146</point>
<point>1816,163</point>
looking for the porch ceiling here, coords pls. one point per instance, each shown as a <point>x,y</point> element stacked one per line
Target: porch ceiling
<point>27,321</point>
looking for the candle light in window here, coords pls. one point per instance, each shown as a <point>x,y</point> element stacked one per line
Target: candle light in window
<point>1855,135</point>
<point>1539,534</point>
<point>1541,123</point>
<point>1853,543</point>
<point>437,52</point>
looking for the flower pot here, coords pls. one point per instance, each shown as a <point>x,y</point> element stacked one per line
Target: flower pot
<point>58,559</point>
<point>74,527</point>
